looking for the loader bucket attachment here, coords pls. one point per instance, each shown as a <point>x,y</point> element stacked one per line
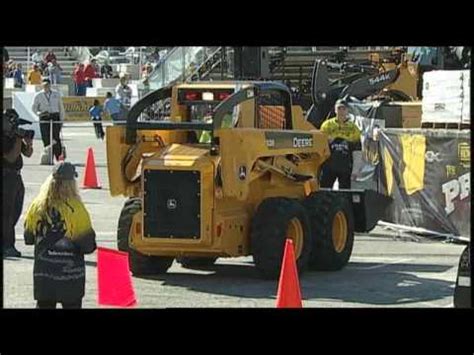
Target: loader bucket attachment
<point>369,207</point>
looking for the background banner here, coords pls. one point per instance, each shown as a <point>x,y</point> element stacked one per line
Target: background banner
<point>77,108</point>
<point>427,173</point>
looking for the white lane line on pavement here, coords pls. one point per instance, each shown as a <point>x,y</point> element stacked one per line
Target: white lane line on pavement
<point>381,265</point>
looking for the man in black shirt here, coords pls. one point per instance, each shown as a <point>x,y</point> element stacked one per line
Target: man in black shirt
<point>15,144</point>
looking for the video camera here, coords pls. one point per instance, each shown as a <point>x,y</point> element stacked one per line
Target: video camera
<point>12,123</point>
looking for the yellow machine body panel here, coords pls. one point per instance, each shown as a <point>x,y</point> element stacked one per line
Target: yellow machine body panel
<point>117,150</point>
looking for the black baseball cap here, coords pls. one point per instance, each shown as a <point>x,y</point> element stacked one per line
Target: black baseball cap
<point>64,171</point>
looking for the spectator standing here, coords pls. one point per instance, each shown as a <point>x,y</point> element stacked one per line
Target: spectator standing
<point>36,58</point>
<point>123,92</point>
<point>113,107</point>
<point>96,116</point>
<point>14,146</point>
<point>106,71</point>
<point>49,57</point>
<point>96,66</point>
<point>78,77</point>
<point>90,73</point>
<point>59,226</point>
<point>48,105</point>
<point>54,72</point>
<point>18,77</point>
<point>34,76</point>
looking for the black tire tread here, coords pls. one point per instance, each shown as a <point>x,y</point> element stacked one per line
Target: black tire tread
<point>139,264</point>
<point>321,207</point>
<point>268,237</point>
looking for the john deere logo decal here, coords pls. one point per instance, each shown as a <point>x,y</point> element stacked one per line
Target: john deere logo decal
<point>242,172</point>
<point>171,204</point>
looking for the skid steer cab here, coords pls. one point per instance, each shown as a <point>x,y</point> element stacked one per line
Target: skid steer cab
<point>227,169</point>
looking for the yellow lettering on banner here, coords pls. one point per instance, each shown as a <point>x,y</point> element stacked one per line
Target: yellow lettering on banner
<point>77,108</point>
<point>414,149</point>
<point>464,154</point>
<point>388,170</point>
<point>450,171</point>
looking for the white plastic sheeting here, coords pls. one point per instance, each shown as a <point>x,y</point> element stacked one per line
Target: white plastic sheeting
<point>22,102</point>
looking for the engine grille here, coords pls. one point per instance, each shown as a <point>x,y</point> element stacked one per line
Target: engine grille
<point>172,204</point>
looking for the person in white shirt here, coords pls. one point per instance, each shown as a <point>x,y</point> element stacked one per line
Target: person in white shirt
<point>49,107</point>
<point>37,59</point>
<point>123,92</point>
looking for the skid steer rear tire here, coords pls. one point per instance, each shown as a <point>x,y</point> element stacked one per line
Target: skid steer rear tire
<point>192,262</point>
<point>139,264</point>
<point>325,209</point>
<point>269,233</point>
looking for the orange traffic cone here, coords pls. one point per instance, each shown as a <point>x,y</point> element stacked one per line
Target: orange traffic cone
<point>90,180</point>
<point>289,293</point>
<point>115,287</point>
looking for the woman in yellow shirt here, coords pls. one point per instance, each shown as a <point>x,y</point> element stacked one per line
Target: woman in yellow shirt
<point>34,76</point>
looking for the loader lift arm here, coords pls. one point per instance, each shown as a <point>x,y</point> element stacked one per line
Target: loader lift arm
<point>367,81</point>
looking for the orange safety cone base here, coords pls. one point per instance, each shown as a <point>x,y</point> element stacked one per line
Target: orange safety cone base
<point>289,292</point>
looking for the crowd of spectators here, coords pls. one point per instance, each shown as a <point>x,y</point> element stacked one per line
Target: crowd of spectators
<point>46,66</point>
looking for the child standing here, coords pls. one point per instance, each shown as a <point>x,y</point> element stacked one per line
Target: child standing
<point>96,116</point>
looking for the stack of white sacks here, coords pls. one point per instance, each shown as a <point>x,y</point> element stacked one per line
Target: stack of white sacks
<point>446,96</point>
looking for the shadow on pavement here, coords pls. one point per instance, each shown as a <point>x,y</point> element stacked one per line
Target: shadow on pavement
<point>390,285</point>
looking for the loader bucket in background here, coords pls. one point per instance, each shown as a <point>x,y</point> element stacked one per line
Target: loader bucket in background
<point>369,207</point>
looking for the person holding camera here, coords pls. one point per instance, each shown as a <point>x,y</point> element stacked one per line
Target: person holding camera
<point>16,142</point>
<point>48,105</point>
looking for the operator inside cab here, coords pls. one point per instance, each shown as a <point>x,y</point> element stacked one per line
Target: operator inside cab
<point>344,137</point>
<point>201,113</point>
<point>204,137</point>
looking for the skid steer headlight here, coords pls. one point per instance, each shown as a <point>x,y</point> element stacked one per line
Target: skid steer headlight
<point>208,96</point>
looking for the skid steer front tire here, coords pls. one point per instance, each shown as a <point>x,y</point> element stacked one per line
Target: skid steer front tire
<point>332,226</point>
<point>275,220</point>
<point>139,264</point>
<point>131,207</point>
